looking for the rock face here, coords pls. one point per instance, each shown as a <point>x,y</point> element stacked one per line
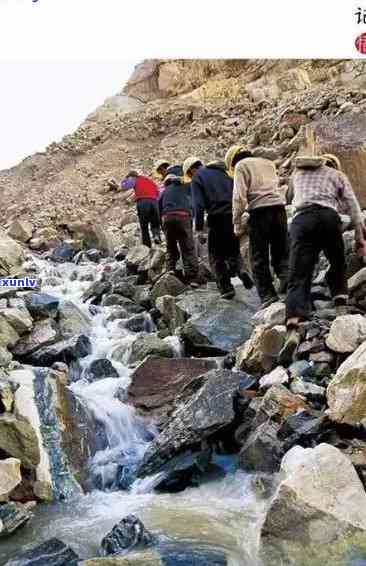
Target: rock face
<point>150,346</point>
<point>129,533</point>
<point>50,553</point>
<point>36,432</point>
<point>11,256</point>
<point>158,383</point>
<point>314,503</point>
<point>10,477</point>
<point>345,137</point>
<point>346,393</point>
<point>205,413</point>
<point>12,517</point>
<point>347,333</point>
<point>221,327</point>
<point>20,230</point>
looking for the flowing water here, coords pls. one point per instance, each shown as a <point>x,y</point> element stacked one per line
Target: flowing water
<point>225,512</point>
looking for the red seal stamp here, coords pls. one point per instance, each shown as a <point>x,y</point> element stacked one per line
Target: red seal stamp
<point>361,43</point>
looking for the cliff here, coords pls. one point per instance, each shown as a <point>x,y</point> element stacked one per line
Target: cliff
<point>176,108</point>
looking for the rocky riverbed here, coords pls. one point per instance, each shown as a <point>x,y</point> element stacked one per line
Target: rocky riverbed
<point>142,422</point>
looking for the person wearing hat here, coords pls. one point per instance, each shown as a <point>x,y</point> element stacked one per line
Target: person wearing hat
<point>162,168</point>
<point>176,214</point>
<point>212,190</point>
<point>319,191</point>
<point>146,198</point>
<point>259,207</point>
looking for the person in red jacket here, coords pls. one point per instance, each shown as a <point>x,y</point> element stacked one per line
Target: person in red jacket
<point>146,198</point>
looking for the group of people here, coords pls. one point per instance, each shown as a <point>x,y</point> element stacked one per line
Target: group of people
<point>241,197</point>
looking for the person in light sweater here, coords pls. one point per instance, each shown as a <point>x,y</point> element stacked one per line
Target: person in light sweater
<point>259,207</point>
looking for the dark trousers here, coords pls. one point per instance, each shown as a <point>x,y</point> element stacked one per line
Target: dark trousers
<point>314,230</point>
<point>224,250</point>
<point>179,238</point>
<point>269,244</point>
<point>148,215</point>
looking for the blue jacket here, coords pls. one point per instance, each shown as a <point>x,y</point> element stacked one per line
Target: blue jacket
<point>176,197</point>
<point>212,191</point>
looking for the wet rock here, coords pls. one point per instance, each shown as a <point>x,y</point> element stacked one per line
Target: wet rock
<point>347,333</point>
<point>307,389</point>
<point>167,285</point>
<point>6,396</point>
<point>63,253</point>
<point>272,341</point>
<point>41,305</point>
<point>357,280</point>
<point>10,477</point>
<point>196,302</point>
<point>314,504</point>
<point>50,553</point>
<point>18,439</point>
<point>135,257</point>
<point>44,333</point>
<point>5,357</point>
<point>65,351</point>
<point>11,256</point>
<point>346,393</point>
<point>72,320</point>
<point>158,383</point>
<point>125,289</point>
<point>273,315</point>
<point>205,413</point>
<point>138,323</point>
<point>150,346</point>
<point>20,230</point>
<point>100,369</point>
<point>93,236</point>
<point>262,451</point>
<point>129,533</point>
<point>249,356</point>
<point>96,291</point>
<point>220,328</point>
<point>172,315</point>
<point>8,336</point>
<point>304,428</point>
<point>19,319</point>
<point>117,300</point>
<point>140,558</point>
<point>12,517</point>
<point>278,376</point>
<point>115,313</point>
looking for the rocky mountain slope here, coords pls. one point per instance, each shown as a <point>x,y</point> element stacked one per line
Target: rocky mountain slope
<point>177,108</point>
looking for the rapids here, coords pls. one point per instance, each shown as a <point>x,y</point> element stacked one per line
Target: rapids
<point>225,513</point>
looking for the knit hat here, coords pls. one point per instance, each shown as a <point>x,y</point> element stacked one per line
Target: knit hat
<point>333,159</point>
<point>188,164</point>
<point>231,153</point>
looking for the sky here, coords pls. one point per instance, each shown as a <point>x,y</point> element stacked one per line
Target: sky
<point>59,59</point>
<point>41,101</point>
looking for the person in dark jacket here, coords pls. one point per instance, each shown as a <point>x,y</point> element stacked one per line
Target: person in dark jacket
<point>176,213</point>
<point>146,198</point>
<point>212,191</point>
<point>162,168</point>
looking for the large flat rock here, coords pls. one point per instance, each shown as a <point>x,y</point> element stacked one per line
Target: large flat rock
<point>158,382</point>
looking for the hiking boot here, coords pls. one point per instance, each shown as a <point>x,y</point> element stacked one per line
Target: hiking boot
<point>287,354</point>
<point>282,288</point>
<point>246,279</point>
<point>267,301</point>
<point>194,285</point>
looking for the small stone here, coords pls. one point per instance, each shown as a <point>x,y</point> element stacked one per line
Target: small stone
<point>278,376</point>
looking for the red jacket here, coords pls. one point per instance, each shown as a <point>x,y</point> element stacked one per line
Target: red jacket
<point>145,188</point>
